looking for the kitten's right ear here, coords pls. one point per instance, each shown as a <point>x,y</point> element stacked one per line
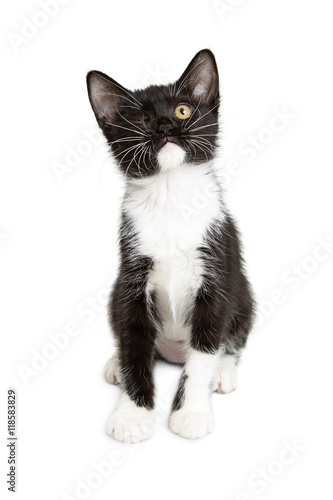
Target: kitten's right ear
<point>105,95</point>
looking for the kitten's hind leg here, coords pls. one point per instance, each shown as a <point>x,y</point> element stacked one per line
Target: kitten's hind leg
<point>225,379</point>
<point>112,370</point>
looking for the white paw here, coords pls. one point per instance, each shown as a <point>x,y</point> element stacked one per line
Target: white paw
<point>130,423</point>
<point>112,370</point>
<point>192,424</point>
<point>225,380</point>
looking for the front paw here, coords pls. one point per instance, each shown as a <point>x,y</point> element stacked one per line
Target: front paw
<point>130,425</point>
<point>192,424</point>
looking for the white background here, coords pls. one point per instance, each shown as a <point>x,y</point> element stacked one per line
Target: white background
<point>58,246</point>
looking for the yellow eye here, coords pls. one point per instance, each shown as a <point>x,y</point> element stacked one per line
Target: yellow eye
<point>182,111</point>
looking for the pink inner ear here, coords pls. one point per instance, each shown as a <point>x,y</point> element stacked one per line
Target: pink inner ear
<point>199,90</point>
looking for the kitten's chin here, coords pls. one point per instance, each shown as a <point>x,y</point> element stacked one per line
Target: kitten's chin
<point>170,156</point>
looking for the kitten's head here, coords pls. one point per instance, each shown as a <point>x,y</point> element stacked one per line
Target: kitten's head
<point>162,126</point>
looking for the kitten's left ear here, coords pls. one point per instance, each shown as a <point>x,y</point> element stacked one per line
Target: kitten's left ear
<point>105,96</point>
<point>201,78</point>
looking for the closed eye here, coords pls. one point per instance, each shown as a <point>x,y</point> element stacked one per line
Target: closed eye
<point>147,117</point>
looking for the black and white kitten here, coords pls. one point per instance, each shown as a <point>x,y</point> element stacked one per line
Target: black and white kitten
<point>181,293</point>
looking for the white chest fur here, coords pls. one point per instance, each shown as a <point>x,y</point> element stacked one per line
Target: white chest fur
<point>171,212</point>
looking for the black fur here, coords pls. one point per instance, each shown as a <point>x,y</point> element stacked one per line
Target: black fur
<point>133,320</point>
<point>223,307</point>
<point>180,394</point>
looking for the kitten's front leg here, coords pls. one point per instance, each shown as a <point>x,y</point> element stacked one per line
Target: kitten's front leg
<point>132,320</point>
<point>129,422</point>
<point>192,415</point>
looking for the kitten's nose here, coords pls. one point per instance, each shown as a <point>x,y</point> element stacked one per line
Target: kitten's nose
<point>164,127</point>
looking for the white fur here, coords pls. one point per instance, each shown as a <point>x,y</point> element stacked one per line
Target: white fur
<point>130,423</point>
<point>192,424</point>
<point>195,418</point>
<point>170,156</point>
<point>172,212</point>
<point>225,379</point>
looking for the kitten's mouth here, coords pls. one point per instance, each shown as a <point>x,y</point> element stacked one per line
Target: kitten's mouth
<point>170,154</point>
<point>160,143</point>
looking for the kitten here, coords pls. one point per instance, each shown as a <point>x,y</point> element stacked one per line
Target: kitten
<point>181,293</point>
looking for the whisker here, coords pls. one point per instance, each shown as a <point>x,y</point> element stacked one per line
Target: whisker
<point>192,116</point>
<point>127,106</point>
<point>190,136</point>
<point>128,93</point>
<point>112,93</point>
<point>126,139</point>
<point>123,90</point>
<point>127,169</point>
<point>126,128</point>
<point>204,152</point>
<point>136,126</point>
<point>144,158</point>
<point>201,139</point>
<point>201,117</point>
<point>141,155</point>
<point>203,135</point>
<point>127,150</point>
<point>182,83</point>
<point>140,147</point>
<point>144,151</point>
<point>204,142</point>
<point>203,126</point>
<point>137,150</point>
<point>191,145</point>
<point>203,148</point>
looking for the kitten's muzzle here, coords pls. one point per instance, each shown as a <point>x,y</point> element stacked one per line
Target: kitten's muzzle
<point>165,132</point>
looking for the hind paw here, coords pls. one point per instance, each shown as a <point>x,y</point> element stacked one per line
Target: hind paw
<point>112,370</point>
